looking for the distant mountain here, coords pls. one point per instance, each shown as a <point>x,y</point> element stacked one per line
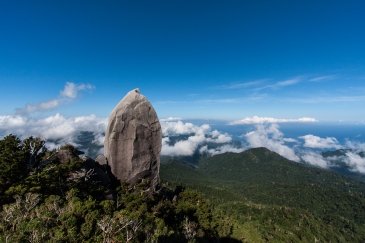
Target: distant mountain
<point>272,198</point>
<point>340,152</point>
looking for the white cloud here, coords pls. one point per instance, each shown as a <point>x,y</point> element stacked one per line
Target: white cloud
<point>220,101</point>
<point>312,141</point>
<point>352,158</point>
<point>69,92</point>
<point>184,138</point>
<point>170,119</point>
<point>244,85</point>
<point>54,128</point>
<point>356,146</point>
<point>355,161</point>
<point>11,122</point>
<point>180,128</point>
<point>262,84</point>
<point>286,83</point>
<point>197,136</point>
<point>290,140</point>
<point>217,137</point>
<point>325,99</point>
<point>269,136</point>
<point>262,120</point>
<point>42,106</point>
<point>221,149</point>
<point>181,148</point>
<point>39,107</point>
<point>58,130</point>
<point>322,78</point>
<point>315,159</point>
<point>281,84</point>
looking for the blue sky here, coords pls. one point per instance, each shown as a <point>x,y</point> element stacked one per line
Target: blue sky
<point>192,59</point>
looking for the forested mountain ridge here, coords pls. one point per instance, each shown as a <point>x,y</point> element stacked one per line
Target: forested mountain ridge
<point>253,196</point>
<point>270,196</point>
<point>60,196</point>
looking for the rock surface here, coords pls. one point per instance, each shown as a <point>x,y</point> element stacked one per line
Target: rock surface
<point>67,153</point>
<point>101,160</point>
<point>133,140</point>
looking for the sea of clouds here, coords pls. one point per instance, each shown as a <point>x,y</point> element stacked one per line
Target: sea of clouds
<point>183,138</point>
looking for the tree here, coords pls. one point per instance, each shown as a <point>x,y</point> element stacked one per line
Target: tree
<point>34,150</point>
<point>12,162</point>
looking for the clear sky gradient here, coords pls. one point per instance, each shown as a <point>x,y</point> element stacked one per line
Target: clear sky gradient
<point>192,59</point>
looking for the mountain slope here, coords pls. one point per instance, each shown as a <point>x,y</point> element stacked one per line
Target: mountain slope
<point>277,193</point>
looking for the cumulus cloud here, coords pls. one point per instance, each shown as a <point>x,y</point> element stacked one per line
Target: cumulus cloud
<point>269,136</point>
<point>189,137</point>
<point>356,146</point>
<point>217,137</point>
<point>182,148</point>
<point>221,149</point>
<point>178,127</point>
<point>69,92</point>
<point>315,159</point>
<point>263,120</point>
<point>355,162</point>
<point>354,156</point>
<point>179,138</point>
<point>312,141</point>
<point>11,122</point>
<point>56,128</point>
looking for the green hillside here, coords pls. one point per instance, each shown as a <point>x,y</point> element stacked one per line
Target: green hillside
<point>58,196</point>
<point>254,196</point>
<point>273,199</point>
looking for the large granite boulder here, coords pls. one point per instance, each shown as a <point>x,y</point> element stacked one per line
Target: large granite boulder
<point>133,140</point>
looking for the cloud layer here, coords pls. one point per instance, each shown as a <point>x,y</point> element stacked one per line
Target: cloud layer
<point>189,139</point>
<point>312,141</point>
<point>182,138</point>
<point>269,136</point>
<point>56,129</point>
<point>179,138</point>
<point>355,162</point>
<point>263,120</point>
<point>316,159</point>
<point>310,151</point>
